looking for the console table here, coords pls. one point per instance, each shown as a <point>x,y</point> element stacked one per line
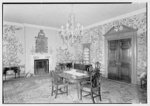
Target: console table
<point>15,69</point>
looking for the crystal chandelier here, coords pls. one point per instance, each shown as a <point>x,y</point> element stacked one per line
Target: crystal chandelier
<point>71,32</point>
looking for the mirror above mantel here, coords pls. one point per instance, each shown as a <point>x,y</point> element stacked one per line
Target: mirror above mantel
<point>41,43</point>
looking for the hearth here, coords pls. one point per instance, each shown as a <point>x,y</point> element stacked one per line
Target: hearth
<point>41,66</point>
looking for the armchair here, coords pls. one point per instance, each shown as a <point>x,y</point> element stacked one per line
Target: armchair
<point>58,85</point>
<point>92,87</point>
<point>143,80</point>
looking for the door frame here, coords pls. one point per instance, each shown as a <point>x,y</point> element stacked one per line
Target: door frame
<point>123,35</point>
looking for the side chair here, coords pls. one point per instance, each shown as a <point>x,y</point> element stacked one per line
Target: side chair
<point>92,87</point>
<point>59,86</point>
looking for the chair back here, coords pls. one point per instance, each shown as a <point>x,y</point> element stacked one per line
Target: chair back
<point>58,69</point>
<point>90,69</point>
<point>97,66</point>
<point>95,79</point>
<point>55,77</point>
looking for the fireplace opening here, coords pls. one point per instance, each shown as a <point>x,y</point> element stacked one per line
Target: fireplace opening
<point>41,66</point>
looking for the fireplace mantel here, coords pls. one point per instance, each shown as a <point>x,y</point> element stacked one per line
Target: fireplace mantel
<point>41,56</point>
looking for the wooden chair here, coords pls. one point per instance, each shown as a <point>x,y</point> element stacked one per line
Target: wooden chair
<point>143,80</point>
<point>92,87</point>
<point>58,85</point>
<point>97,66</point>
<point>90,69</point>
<point>59,69</point>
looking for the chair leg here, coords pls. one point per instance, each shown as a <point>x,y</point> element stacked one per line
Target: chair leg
<point>67,90</point>
<point>141,83</point>
<point>80,94</point>
<point>64,88</point>
<point>56,91</point>
<point>15,75</point>
<point>19,74</point>
<point>92,97</point>
<point>99,92</point>
<point>52,91</point>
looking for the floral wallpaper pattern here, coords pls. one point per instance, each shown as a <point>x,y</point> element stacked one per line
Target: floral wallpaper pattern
<point>70,53</point>
<point>95,36</point>
<point>11,46</point>
<point>63,55</point>
<point>136,22</point>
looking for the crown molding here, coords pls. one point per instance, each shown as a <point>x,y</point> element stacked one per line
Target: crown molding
<point>116,18</point>
<point>30,25</point>
<point>85,28</point>
<point>12,23</point>
<point>41,27</point>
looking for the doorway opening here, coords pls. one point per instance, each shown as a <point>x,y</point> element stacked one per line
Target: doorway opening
<point>120,54</point>
<point>119,60</point>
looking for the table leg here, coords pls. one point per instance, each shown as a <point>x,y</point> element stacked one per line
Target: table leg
<point>77,84</point>
<point>78,90</point>
<point>5,76</point>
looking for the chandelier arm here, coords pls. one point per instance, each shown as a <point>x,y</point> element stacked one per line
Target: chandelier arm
<point>71,32</point>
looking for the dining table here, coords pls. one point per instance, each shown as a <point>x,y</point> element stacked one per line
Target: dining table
<point>75,76</point>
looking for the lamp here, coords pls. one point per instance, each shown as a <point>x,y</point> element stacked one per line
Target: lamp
<point>71,32</point>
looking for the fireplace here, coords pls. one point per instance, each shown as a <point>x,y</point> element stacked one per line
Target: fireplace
<point>41,66</point>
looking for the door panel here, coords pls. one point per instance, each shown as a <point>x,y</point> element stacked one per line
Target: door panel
<point>113,55</point>
<point>119,60</point>
<point>125,59</point>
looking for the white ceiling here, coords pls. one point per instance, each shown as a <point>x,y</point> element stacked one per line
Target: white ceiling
<point>55,15</point>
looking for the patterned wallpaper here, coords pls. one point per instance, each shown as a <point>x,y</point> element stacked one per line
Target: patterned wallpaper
<point>12,47</point>
<point>95,36</point>
<point>136,22</point>
<point>70,53</point>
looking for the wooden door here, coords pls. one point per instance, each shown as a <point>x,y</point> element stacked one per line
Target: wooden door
<point>113,55</point>
<point>125,59</point>
<point>119,59</point>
